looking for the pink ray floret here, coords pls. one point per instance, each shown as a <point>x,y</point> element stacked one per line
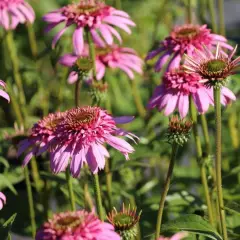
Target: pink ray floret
<point>3,200</point>
<point>94,15</point>
<point>183,40</point>
<point>13,12</point>
<point>177,236</point>
<point>176,89</point>
<point>2,92</point>
<point>81,137</point>
<point>79,225</point>
<point>113,57</point>
<point>41,134</point>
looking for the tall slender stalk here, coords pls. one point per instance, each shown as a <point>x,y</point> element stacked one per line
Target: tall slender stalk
<point>92,53</point>
<point>165,190</point>
<point>205,134</point>
<point>212,15</point>
<point>218,160</point>
<point>189,11</point>
<point>70,189</point>
<point>77,92</point>
<point>108,182</point>
<point>15,65</point>
<point>221,17</point>
<point>30,201</point>
<point>98,197</point>
<point>32,40</point>
<point>200,161</point>
<point>118,4</point>
<point>35,174</point>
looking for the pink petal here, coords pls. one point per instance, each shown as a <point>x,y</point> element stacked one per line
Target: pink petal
<point>97,39</point>
<point>100,69</point>
<point>3,197</point>
<point>78,42</point>
<point>106,34</point>
<point>77,162</point>
<point>54,17</point>
<point>27,158</point>
<point>68,60</point>
<point>57,36</point>
<point>123,120</point>
<point>73,77</point>
<point>4,95</point>
<point>171,105</point>
<point>183,105</point>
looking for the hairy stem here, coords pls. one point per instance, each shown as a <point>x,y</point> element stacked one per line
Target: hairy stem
<point>32,40</point>
<point>218,160</point>
<point>98,196</point>
<point>165,190</point>
<point>221,17</point>
<point>70,189</point>
<point>212,15</point>
<point>30,201</point>
<point>109,183</point>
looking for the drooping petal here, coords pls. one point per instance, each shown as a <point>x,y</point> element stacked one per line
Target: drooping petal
<point>78,42</point>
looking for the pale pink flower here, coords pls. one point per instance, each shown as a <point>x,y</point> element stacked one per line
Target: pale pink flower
<point>176,89</point>
<point>94,15</point>
<point>81,136</point>
<point>13,12</point>
<point>114,57</point>
<point>177,236</point>
<point>2,92</point>
<point>183,40</point>
<point>79,225</point>
<point>2,200</point>
<point>41,134</point>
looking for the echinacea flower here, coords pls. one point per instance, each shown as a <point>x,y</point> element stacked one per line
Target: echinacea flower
<point>79,225</point>
<point>183,40</point>
<point>125,221</point>
<point>13,12</point>
<point>176,89</point>
<point>94,15</point>
<point>2,200</point>
<point>177,236</point>
<point>41,134</point>
<point>81,136</point>
<point>2,92</point>
<point>114,57</point>
<point>214,68</point>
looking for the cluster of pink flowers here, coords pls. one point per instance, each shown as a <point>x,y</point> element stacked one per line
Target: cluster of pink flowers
<point>180,82</point>
<point>13,12</point>
<point>78,225</point>
<point>78,134</point>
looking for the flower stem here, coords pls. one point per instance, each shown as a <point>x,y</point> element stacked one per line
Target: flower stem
<point>200,161</point>
<point>212,15</point>
<point>137,98</point>
<point>77,92</point>
<point>92,53</point>
<point>70,189</point>
<point>30,201</point>
<point>98,197</point>
<point>165,190</point>
<point>118,4</point>
<point>221,17</point>
<point>205,134</point>
<point>189,11</point>
<point>109,182</point>
<point>32,40</point>
<point>15,65</point>
<point>218,160</point>
<point>35,174</point>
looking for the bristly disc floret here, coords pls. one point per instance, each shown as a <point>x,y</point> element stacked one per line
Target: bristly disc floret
<point>125,221</point>
<point>179,130</point>
<point>83,67</point>
<point>213,68</point>
<point>98,92</point>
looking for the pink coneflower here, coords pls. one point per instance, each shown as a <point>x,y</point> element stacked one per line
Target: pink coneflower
<point>41,134</point>
<point>176,89</point>
<point>213,68</point>
<point>13,12</point>
<point>2,200</point>
<point>81,137</point>
<point>113,57</point>
<point>95,15</point>
<point>183,40</point>
<point>79,225</point>
<point>177,236</point>
<point>2,92</point>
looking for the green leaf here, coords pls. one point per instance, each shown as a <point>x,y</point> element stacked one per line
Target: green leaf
<point>147,187</point>
<point>194,224</point>
<point>6,227</point>
<point>6,183</point>
<point>233,208</point>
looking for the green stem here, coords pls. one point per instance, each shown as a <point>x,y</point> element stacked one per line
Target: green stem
<point>221,17</point>
<point>165,190</point>
<point>200,161</point>
<point>137,98</point>
<point>32,40</point>
<point>212,15</point>
<point>70,190</point>
<point>109,182</point>
<point>92,53</point>
<point>77,92</point>
<point>118,4</point>
<point>205,134</point>
<point>98,197</point>
<point>189,11</point>
<point>35,174</point>
<point>218,160</point>
<point>15,65</point>
<point>30,201</point>
<point>87,197</point>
